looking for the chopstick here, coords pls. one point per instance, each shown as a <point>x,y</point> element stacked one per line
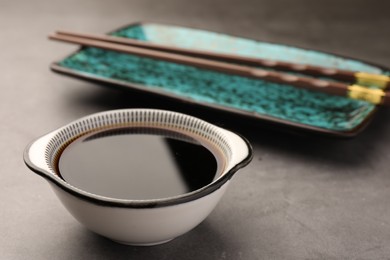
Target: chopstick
<point>375,96</point>
<point>360,78</point>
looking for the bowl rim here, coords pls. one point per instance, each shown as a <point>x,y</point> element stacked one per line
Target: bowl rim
<point>128,203</point>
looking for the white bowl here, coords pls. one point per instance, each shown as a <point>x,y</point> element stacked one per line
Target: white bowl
<point>139,222</point>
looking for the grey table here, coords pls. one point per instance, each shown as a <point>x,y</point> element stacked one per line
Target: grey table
<point>301,197</point>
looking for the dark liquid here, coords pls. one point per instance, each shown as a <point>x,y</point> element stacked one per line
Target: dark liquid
<point>137,163</point>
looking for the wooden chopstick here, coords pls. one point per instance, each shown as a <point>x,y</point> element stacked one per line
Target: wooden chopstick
<point>360,78</point>
<point>375,96</point>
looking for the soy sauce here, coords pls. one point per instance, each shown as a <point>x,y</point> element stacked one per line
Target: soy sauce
<point>137,163</point>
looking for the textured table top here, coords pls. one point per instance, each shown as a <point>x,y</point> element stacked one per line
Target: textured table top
<point>302,197</point>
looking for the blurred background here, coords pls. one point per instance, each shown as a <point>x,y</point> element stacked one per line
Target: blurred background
<point>301,198</point>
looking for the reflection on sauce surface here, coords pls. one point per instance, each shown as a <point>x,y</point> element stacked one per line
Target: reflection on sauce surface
<point>137,163</point>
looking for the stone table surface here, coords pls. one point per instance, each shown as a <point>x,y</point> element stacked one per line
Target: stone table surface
<point>302,197</point>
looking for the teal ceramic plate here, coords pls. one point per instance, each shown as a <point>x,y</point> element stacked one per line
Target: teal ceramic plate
<point>282,105</point>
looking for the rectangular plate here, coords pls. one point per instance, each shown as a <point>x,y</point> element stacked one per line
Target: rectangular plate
<point>283,105</point>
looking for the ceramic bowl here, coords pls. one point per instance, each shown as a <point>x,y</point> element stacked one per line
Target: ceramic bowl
<point>139,222</point>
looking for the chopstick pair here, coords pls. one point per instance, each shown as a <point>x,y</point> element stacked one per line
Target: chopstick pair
<point>243,66</point>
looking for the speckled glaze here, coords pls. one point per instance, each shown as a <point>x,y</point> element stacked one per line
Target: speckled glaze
<point>268,100</point>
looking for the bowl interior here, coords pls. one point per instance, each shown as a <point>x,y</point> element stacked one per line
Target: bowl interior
<point>174,125</point>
